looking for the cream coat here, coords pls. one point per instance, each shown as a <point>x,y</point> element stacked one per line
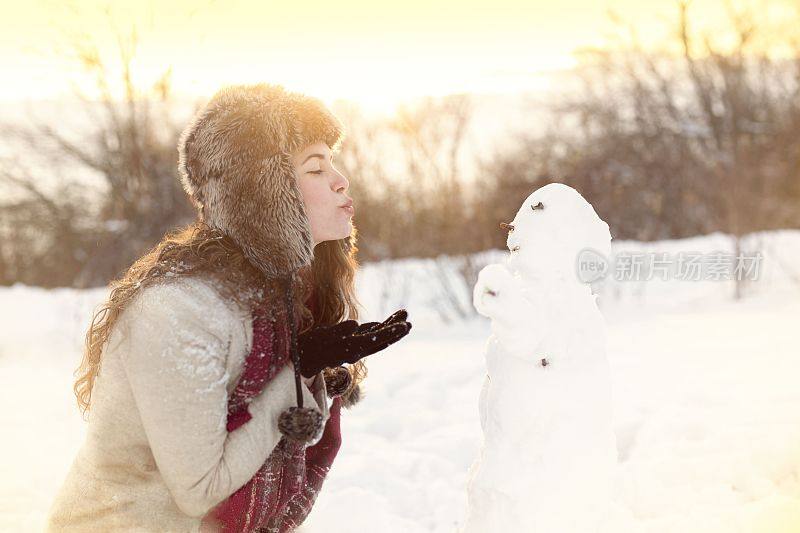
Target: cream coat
<point>157,455</point>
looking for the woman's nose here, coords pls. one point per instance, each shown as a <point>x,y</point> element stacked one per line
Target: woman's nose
<point>341,183</point>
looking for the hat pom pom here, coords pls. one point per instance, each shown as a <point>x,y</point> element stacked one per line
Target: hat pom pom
<point>301,424</point>
<point>337,381</point>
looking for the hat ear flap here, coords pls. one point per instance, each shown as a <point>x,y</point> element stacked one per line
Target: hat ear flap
<point>260,206</point>
<point>288,210</point>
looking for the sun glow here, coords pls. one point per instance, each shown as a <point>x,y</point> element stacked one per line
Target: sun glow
<point>373,54</point>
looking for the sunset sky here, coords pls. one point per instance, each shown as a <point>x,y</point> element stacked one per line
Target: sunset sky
<point>370,52</point>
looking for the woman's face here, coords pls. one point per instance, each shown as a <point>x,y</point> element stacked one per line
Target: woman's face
<point>323,188</point>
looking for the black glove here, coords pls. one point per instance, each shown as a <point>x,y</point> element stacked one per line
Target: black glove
<point>398,316</point>
<point>347,342</point>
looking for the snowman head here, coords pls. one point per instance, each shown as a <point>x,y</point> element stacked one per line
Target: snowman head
<point>552,228</point>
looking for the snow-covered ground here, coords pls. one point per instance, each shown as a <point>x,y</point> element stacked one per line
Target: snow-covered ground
<point>706,398</point>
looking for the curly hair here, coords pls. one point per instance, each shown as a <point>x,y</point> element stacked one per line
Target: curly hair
<point>201,250</point>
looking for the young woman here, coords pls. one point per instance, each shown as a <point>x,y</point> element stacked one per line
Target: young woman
<point>210,367</point>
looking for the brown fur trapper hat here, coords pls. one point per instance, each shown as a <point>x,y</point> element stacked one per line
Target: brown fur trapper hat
<point>235,163</point>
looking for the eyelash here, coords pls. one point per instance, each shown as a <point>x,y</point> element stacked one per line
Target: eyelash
<point>315,171</point>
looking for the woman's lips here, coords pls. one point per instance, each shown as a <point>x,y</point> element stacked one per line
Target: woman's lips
<point>349,207</point>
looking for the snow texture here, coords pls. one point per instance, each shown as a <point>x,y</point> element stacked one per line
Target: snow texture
<point>706,403</point>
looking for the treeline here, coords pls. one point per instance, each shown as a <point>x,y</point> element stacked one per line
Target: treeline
<point>665,145</point>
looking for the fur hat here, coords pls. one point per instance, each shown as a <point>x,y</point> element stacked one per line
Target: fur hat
<point>239,148</point>
<point>235,163</point>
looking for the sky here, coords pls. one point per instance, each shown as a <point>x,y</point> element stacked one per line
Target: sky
<point>375,53</point>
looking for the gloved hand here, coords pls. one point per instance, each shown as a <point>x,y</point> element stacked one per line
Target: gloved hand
<point>398,316</point>
<point>347,342</point>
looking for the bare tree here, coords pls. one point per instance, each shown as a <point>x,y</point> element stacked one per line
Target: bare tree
<point>129,147</point>
<point>670,145</point>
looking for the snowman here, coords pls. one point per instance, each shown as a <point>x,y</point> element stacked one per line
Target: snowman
<point>549,452</point>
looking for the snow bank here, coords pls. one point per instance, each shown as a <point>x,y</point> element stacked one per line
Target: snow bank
<point>706,407</point>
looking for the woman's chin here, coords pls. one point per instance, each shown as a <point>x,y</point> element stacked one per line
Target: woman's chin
<point>347,230</point>
<point>348,225</point>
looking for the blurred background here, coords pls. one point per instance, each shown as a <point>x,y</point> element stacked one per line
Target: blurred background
<point>679,121</point>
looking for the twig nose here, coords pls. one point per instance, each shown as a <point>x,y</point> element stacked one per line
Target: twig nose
<point>508,227</point>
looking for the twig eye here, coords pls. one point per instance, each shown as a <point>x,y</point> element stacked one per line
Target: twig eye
<point>537,206</point>
<point>515,249</point>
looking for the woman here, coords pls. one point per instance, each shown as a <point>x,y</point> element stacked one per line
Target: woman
<point>220,347</point>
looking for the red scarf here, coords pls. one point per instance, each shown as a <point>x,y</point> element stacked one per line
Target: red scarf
<point>280,495</point>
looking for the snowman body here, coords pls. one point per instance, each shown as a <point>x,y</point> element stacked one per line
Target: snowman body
<point>549,452</point>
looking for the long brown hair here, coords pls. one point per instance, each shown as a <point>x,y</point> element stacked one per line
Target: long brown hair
<point>201,250</point>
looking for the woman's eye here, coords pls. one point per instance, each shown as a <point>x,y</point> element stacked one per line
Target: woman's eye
<point>315,172</point>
